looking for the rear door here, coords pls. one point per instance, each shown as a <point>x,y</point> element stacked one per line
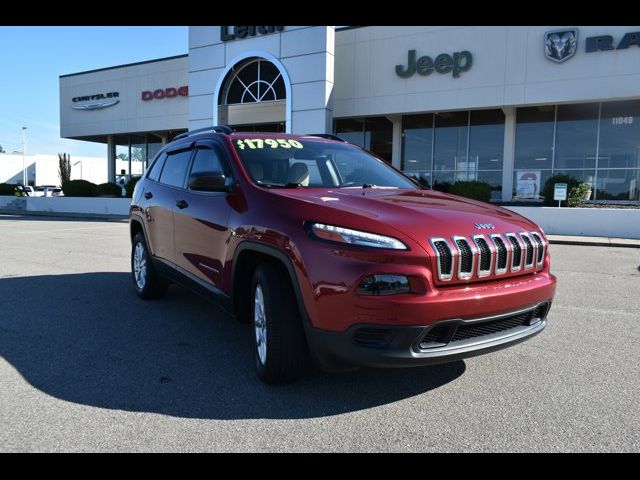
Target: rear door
<point>201,220</point>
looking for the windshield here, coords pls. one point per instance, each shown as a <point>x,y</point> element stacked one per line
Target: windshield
<point>288,163</point>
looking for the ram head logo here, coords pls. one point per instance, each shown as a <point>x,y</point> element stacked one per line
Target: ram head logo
<point>560,45</point>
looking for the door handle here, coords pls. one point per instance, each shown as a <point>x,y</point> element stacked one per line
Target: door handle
<point>182,204</point>
<point>148,195</point>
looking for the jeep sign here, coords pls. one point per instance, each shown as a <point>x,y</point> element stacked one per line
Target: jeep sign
<point>443,63</point>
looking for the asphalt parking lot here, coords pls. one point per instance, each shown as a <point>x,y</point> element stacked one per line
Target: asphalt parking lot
<point>87,366</point>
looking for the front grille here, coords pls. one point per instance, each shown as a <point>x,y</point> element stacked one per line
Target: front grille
<point>449,333</point>
<point>495,254</point>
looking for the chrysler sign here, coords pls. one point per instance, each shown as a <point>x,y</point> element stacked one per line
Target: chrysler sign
<point>96,102</point>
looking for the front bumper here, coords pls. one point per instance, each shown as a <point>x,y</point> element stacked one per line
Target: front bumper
<point>409,346</point>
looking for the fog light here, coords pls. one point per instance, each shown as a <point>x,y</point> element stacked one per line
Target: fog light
<point>384,285</point>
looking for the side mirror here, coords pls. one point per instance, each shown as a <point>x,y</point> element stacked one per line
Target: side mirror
<point>209,182</point>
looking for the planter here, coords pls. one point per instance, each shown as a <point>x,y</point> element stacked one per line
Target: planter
<point>593,222</point>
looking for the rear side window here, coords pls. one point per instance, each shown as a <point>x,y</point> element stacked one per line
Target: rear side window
<point>156,168</point>
<point>207,160</point>
<point>175,168</point>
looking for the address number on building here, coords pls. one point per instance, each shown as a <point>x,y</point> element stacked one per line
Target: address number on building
<point>622,120</point>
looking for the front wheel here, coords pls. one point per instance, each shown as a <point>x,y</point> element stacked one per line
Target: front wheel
<point>279,343</point>
<point>147,282</point>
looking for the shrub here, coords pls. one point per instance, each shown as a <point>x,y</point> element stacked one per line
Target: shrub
<point>547,190</point>
<point>577,193</point>
<point>472,189</point>
<point>130,185</point>
<point>79,188</point>
<point>110,189</point>
<point>7,189</point>
<point>442,186</point>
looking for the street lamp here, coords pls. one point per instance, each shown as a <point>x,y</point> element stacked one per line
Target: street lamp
<point>24,157</point>
<point>79,162</point>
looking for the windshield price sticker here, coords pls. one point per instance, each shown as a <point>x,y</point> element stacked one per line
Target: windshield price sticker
<point>268,143</point>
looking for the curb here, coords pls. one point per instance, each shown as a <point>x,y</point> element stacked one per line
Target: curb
<point>595,241</point>
<point>77,216</point>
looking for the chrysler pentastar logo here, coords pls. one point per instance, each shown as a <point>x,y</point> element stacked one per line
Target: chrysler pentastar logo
<point>484,226</point>
<point>560,45</point>
<point>96,102</point>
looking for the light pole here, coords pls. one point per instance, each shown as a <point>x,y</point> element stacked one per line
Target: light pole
<point>79,162</point>
<point>24,157</point>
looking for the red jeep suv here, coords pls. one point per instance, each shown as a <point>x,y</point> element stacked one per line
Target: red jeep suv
<point>330,252</point>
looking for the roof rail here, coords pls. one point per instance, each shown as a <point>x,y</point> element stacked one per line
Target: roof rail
<point>330,136</point>
<point>214,128</point>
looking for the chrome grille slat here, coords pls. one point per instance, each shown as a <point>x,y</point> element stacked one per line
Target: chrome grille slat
<point>502,254</point>
<point>444,257</point>
<point>540,248</point>
<point>516,252</point>
<point>466,257</point>
<point>529,251</point>
<point>485,256</point>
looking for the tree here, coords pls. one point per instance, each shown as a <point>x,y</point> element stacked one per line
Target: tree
<point>2,149</point>
<point>64,167</point>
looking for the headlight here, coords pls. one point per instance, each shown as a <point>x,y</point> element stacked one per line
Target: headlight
<point>356,237</point>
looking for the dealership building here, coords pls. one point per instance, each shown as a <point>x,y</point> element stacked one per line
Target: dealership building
<point>509,106</point>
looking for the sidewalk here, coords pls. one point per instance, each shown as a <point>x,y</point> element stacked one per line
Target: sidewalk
<point>599,241</point>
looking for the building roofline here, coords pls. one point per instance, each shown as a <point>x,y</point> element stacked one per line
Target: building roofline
<point>125,65</point>
<point>349,28</point>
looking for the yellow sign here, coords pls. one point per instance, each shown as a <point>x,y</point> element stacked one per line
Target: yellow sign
<point>268,143</point>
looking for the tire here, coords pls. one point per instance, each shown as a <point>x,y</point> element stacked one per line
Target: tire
<point>274,316</point>
<point>147,282</point>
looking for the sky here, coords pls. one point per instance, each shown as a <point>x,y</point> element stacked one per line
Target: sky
<point>32,59</point>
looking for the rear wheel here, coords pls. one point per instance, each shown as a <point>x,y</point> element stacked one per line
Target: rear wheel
<point>279,343</point>
<point>147,282</point>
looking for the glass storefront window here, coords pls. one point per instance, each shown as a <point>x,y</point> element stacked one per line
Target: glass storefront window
<point>352,130</point>
<point>534,138</point>
<point>594,143</point>
<point>417,145</point>
<point>620,135</point>
<point>493,178</point>
<point>372,133</point>
<point>378,136</point>
<point>576,136</point>
<point>486,140</point>
<point>450,146</point>
<point>153,147</point>
<point>138,154</point>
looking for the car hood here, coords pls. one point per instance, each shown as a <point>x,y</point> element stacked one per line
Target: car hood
<point>419,214</point>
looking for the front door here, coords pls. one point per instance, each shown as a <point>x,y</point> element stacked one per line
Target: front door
<point>201,219</point>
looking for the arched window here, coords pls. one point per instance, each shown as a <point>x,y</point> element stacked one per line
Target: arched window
<point>252,81</point>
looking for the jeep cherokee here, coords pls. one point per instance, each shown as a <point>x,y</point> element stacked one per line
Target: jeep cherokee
<point>331,253</point>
